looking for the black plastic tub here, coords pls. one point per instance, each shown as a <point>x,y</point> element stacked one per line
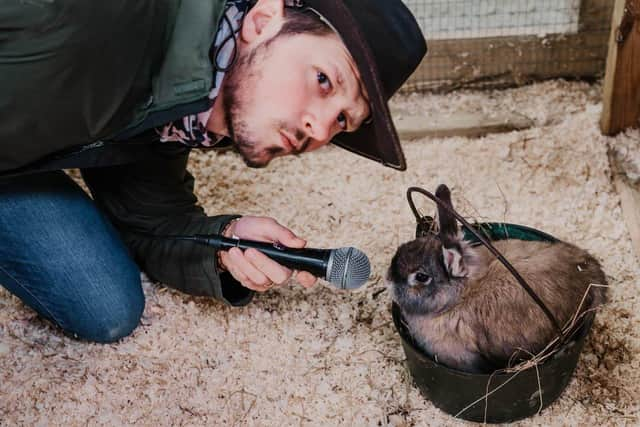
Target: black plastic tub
<point>499,397</point>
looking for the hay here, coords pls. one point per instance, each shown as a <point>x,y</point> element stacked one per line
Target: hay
<point>534,361</point>
<point>324,357</point>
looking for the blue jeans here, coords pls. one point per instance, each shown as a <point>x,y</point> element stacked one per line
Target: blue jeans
<point>62,257</point>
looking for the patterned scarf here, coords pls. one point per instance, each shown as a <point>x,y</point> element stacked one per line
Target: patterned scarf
<point>192,130</point>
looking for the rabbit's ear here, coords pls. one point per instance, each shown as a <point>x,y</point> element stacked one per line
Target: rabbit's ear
<point>446,221</point>
<point>454,261</point>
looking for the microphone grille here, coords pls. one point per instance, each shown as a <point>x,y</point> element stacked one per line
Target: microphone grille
<point>349,268</point>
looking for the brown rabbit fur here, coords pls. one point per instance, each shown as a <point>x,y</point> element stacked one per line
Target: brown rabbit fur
<point>463,307</point>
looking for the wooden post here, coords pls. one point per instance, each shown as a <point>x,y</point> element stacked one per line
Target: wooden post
<point>621,95</point>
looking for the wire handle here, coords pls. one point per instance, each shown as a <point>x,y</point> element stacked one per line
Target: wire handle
<point>489,246</point>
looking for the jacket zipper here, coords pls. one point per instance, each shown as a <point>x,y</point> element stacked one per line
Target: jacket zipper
<point>161,117</point>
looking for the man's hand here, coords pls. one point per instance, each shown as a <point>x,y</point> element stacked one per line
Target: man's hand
<point>252,268</point>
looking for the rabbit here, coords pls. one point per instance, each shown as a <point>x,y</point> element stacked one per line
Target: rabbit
<point>465,309</point>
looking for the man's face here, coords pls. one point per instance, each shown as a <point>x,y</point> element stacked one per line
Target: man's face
<point>291,94</point>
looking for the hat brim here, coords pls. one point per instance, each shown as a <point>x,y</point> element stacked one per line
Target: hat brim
<point>377,140</point>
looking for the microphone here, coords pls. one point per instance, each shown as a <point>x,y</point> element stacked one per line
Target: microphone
<point>345,268</point>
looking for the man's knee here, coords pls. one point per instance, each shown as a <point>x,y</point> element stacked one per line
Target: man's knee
<point>116,326</point>
<point>114,314</point>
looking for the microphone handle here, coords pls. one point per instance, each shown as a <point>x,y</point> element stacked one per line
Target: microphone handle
<point>315,261</point>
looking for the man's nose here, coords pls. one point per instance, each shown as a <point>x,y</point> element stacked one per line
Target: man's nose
<point>319,123</point>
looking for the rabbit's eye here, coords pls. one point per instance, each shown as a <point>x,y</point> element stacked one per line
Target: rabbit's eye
<point>422,277</point>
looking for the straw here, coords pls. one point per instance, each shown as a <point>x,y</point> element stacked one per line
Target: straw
<point>537,359</point>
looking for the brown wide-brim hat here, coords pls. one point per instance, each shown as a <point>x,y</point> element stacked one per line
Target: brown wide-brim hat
<point>387,45</point>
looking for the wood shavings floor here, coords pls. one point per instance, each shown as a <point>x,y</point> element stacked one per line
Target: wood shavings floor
<point>322,357</point>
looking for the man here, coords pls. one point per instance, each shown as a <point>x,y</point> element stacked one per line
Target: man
<point>124,90</point>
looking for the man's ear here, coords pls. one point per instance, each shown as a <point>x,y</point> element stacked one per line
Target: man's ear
<point>454,262</point>
<point>263,21</point>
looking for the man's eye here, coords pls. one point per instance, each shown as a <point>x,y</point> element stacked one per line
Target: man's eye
<point>324,81</point>
<point>342,121</point>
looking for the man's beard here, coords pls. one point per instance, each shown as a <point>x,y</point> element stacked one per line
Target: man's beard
<point>243,75</point>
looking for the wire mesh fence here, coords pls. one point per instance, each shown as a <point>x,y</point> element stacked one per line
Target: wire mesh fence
<point>489,43</point>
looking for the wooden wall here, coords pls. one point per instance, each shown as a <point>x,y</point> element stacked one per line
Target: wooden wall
<point>516,60</point>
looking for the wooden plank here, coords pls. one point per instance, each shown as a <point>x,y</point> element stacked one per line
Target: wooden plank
<point>611,67</point>
<point>516,60</point>
<point>621,92</point>
<point>505,61</point>
<point>595,15</point>
<point>629,201</point>
<point>411,126</point>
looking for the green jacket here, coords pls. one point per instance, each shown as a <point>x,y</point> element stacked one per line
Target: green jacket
<point>83,84</point>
